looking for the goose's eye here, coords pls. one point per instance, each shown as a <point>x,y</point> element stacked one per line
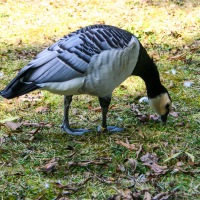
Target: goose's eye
<point>167,106</point>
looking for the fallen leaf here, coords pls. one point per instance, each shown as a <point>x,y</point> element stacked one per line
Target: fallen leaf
<point>17,125</point>
<point>179,57</point>
<point>147,196</point>
<point>171,84</point>
<point>72,186</point>
<point>154,117</point>
<point>190,172</point>
<point>193,163</point>
<point>151,161</point>
<point>143,118</point>
<point>127,144</point>
<point>179,164</point>
<point>157,168</point>
<point>135,109</point>
<point>85,163</point>
<point>104,180</point>
<point>121,168</point>
<point>162,195</point>
<point>180,124</point>
<point>50,166</point>
<point>138,152</point>
<point>41,124</point>
<point>2,140</point>
<point>97,109</point>
<point>42,109</point>
<point>133,163</point>
<point>31,97</point>
<point>174,114</point>
<point>13,126</point>
<point>16,174</point>
<point>175,34</point>
<point>33,132</point>
<point>149,158</point>
<point>123,194</point>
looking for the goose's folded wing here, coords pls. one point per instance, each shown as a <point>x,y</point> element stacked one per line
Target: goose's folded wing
<point>70,56</point>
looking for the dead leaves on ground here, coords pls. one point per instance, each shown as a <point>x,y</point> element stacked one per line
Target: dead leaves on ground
<point>73,186</point>
<point>126,144</point>
<point>144,194</point>
<point>137,109</point>
<point>16,127</point>
<point>183,56</point>
<point>150,161</point>
<point>50,166</point>
<point>134,192</point>
<point>70,188</point>
<point>42,109</point>
<point>144,118</point>
<point>86,163</point>
<point>13,126</point>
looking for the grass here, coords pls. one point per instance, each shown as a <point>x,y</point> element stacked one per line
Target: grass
<point>167,29</point>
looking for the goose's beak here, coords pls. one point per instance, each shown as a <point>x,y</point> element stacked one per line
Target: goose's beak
<point>164,118</point>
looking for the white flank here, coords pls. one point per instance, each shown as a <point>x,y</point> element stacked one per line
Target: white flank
<point>64,88</point>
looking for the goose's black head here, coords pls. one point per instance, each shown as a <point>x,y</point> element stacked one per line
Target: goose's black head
<point>161,104</point>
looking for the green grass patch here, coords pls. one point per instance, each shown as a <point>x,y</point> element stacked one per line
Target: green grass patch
<point>39,161</point>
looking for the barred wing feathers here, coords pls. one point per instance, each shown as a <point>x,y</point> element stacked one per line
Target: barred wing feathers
<point>67,59</point>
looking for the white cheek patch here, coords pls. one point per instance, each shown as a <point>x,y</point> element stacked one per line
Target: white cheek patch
<point>158,103</point>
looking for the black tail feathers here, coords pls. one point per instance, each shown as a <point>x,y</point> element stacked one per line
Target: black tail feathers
<point>17,88</point>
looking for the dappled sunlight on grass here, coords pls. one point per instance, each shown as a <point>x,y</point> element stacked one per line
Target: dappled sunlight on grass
<point>39,161</point>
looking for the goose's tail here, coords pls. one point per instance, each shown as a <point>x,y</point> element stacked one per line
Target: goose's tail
<point>17,88</point>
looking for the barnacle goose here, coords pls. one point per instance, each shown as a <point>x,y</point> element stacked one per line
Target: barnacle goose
<point>93,60</point>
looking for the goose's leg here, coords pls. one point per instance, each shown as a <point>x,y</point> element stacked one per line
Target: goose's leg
<point>65,125</point>
<point>104,103</point>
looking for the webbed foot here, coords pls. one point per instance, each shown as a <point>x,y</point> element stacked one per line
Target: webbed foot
<point>111,129</point>
<point>72,131</point>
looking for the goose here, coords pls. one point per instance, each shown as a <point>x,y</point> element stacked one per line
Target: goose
<point>93,60</point>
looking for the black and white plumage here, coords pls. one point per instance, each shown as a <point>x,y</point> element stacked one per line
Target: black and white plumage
<point>93,60</point>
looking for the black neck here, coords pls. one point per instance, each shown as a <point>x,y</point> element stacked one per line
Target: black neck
<point>147,70</point>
